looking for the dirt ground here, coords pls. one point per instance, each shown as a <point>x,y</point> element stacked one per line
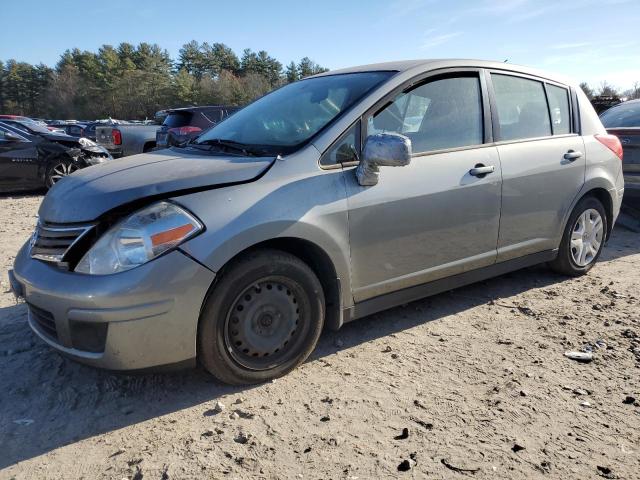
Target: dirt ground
<point>477,376</point>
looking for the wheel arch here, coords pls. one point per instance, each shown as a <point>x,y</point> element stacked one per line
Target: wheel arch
<point>148,146</point>
<point>316,258</point>
<point>607,202</point>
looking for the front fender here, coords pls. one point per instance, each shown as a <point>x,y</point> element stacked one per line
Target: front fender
<point>310,207</point>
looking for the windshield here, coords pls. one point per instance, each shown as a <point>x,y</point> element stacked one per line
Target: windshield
<point>284,120</point>
<point>35,126</point>
<point>625,115</point>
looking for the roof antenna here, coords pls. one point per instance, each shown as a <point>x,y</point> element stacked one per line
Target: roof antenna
<point>506,60</point>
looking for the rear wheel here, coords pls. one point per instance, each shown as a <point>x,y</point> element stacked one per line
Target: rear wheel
<point>583,238</point>
<point>262,319</point>
<point>58,170</point>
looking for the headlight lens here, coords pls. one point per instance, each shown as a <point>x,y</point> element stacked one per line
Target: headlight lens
<point>139,238</point>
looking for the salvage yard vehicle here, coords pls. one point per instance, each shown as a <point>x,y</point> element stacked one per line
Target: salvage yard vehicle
<point>623,120</point>
<point>183,124</point>
<point>31,160</point>
<point>126,139</point>
<point>320,203</point>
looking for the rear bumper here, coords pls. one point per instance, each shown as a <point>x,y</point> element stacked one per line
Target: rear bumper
<point>142,318</point>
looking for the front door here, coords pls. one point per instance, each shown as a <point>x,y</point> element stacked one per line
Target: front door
<point>18,161</point>
<point>434,217</point>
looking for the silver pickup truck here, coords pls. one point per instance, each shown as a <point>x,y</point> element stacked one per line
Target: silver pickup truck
<point>126,139</point>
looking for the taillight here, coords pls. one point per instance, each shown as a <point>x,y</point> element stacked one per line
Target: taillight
<point>116,136</point>
<point>185,130</point>
<point>612,143</point>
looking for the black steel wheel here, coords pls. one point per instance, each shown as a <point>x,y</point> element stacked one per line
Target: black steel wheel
<point>262,319</point>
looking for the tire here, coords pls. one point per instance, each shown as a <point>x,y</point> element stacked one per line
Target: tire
<point>573,242</point>
<point>262,319</point>
<point>59,168</point>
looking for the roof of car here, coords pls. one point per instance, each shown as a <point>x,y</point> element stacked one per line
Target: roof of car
<point>436,63</point>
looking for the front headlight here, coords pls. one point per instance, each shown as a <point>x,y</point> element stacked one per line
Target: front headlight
<point>139,238</point>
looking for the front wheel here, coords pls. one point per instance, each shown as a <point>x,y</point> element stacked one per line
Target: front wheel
<point>58,170</point>
<point>583,238</point>
<point>262,319</point>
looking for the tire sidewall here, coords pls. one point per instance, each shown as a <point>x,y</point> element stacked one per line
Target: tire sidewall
<point>585,204</point>
<point>212,350</point>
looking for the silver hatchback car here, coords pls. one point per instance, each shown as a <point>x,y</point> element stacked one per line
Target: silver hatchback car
<point>322,202</point>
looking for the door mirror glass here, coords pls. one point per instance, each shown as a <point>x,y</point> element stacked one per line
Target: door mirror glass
<point>382,150</point>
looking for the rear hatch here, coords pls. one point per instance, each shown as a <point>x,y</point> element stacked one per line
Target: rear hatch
<point>630,140</point>
<point>182,125</point>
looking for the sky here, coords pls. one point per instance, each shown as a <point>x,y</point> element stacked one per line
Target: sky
<point>586,40</point>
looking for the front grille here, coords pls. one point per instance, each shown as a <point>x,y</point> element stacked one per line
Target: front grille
<point>44,321</point>
<point>51,242</point>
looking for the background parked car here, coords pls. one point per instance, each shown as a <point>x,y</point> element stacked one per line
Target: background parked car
<point>623,120</point>
<point>182,124</point>
<point>30,161</point>
<point>127,139</point>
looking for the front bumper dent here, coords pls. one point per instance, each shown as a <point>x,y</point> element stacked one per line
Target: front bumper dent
<point>142,318</point>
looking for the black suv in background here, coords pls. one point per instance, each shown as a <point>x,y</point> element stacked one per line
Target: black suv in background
<point>182,124</point>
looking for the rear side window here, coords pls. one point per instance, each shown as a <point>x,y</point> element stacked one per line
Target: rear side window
<point>559,108</point>
<point>441,114</point>
<point>522,107</point>
<point>176,120</point>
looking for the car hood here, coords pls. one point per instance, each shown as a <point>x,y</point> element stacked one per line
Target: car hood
<point>91,192</point>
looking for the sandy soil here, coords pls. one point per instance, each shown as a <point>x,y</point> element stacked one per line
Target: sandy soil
<point>478,376</point>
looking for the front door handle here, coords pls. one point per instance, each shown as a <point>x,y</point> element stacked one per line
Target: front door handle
<point>572,155</point>
<point>481,170</point>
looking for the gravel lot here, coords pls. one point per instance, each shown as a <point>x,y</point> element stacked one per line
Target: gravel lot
<point>478,376</point>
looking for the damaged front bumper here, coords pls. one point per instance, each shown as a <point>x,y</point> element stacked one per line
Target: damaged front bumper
<point>144,317</point>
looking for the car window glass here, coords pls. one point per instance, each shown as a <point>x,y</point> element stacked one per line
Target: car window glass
<point>625,115</point>
<point>175,120</point>
<point>444,113</point>
<point>21,127</point>
<point>522,107</point>
<point>559,108</point>
<point>347,149</point>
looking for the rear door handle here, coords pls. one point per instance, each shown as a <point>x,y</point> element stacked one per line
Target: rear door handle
<point>481,170</point>
<point>572,155</point>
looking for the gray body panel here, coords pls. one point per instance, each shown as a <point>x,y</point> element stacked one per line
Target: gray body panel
<point>90,192</point>
<point>134,138</point>
<point>424,221</point>
<point>538,190</point>
<point>423,228</point>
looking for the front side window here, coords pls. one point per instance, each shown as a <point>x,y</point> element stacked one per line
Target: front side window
<point>441,114</point>
<point>285,119</point>
<point>559,108</point>
<point>522,107</point>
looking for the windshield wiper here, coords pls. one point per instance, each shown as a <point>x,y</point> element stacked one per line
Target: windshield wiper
<point>228,144</point>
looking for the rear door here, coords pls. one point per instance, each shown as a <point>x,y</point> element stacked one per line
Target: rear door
<point>542,158</point>
<point>432,218</point>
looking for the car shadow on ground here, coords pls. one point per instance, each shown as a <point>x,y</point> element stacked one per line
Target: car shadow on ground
<point>49,401</point>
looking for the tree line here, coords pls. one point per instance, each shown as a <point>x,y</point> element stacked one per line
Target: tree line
<point>133,82</point>
<point>605,89</point>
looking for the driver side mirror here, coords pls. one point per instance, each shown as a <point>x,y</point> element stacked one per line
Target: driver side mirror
<point>382,150</point>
